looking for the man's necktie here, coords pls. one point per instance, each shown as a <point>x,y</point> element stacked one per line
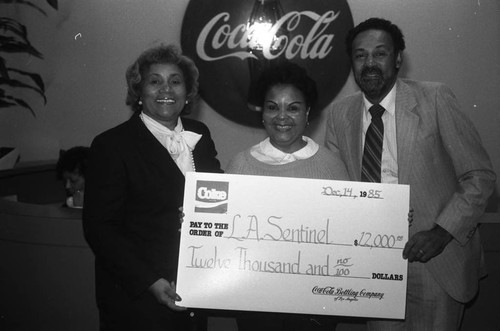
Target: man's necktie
<point>372,155</point>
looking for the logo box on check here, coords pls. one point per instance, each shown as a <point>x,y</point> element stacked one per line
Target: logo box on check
<point>211,197</point>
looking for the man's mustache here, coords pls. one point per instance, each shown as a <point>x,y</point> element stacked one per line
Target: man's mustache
<point>371,71</point>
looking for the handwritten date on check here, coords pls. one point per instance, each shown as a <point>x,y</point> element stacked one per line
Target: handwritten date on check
<point>293,245</point>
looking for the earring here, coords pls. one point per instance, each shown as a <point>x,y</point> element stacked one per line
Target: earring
<point>140,102</point>
<point>187,101</point>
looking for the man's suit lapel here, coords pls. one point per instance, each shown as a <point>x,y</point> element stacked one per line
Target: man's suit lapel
<point>353,133</point>
<point>406,129</point>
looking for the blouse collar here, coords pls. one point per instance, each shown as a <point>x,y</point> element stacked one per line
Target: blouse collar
<point>265,152</point>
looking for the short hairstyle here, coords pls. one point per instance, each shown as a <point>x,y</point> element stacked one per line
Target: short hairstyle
<point>375,23</point>
<point>287,73</point>
<point>74,159</point>
<point>162,54</point>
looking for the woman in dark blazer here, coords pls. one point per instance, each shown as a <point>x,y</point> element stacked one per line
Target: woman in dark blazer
<point>134,188</point>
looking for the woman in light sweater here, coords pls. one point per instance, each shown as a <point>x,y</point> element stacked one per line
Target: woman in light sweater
<point>287,95</point>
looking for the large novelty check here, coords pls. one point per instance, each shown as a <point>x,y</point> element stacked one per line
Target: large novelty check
<point>293,245</point>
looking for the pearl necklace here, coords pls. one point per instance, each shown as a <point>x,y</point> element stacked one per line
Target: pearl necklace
<point>192,161</point>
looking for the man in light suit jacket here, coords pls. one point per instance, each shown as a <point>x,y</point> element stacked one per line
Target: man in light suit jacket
<point>431,145</point>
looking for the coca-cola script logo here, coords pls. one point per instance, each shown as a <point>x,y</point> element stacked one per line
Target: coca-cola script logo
<point>232,41</point>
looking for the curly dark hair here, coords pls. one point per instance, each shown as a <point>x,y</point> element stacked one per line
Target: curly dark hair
<point>162,54</point>
<point>74,159</point>
<point>376,23</point>
<point>287,73</point>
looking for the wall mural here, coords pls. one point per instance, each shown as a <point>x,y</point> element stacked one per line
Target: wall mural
<point>233,41</point>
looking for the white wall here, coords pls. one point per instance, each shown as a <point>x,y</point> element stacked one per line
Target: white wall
<point>88,45</point>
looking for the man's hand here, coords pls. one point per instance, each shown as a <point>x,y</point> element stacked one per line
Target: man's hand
<point>424,245</point>
<point>164,292</point>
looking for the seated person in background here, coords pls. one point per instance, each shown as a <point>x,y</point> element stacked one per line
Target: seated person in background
<point>287,96</point>
<point>71,168</point>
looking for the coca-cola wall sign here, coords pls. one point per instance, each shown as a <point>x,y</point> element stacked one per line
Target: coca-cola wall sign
<point>232,41</point>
